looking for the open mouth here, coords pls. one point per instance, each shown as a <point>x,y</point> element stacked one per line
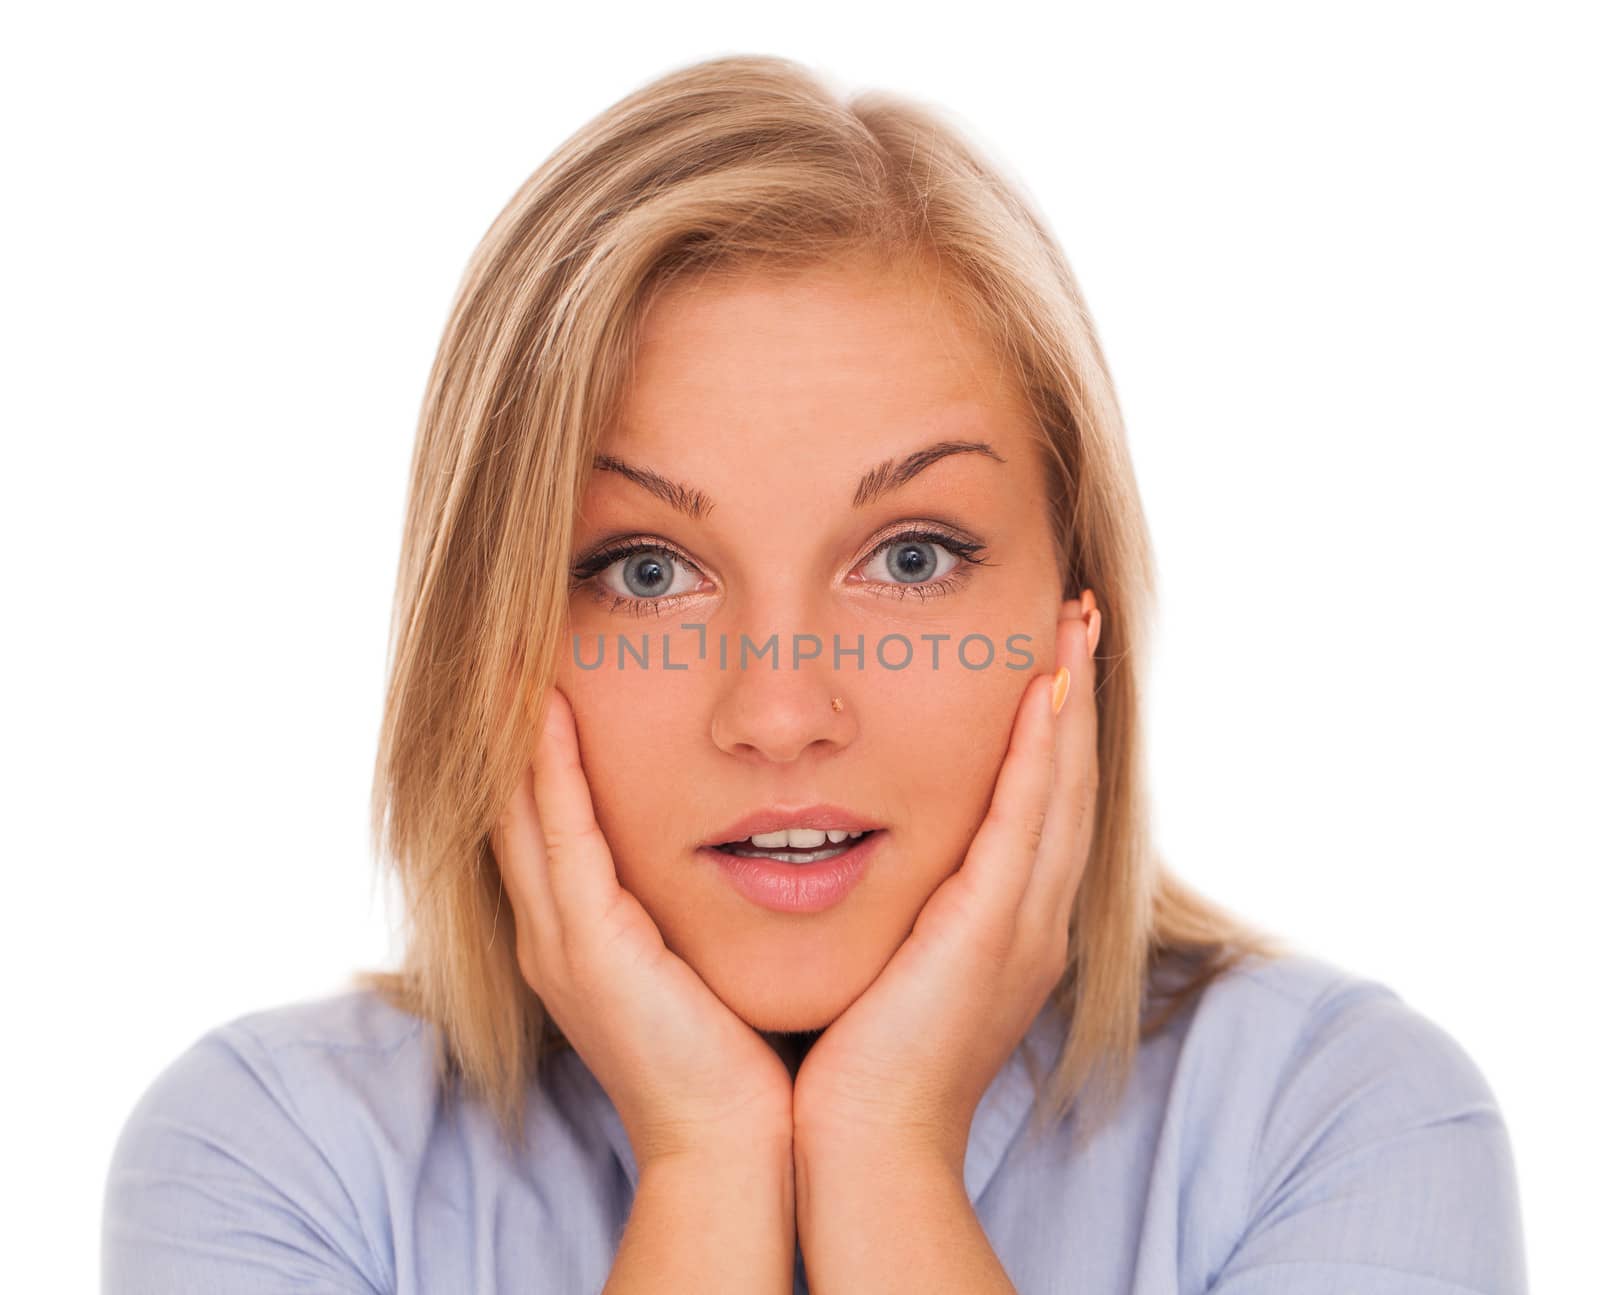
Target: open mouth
<point>800,848</point>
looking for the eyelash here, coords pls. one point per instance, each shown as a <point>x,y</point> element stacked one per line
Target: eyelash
<point>969,553</point>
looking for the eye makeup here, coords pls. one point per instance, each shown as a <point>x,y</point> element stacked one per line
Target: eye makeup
<point>586,571</point>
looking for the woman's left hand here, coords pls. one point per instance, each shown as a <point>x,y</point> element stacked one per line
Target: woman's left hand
<point>904,1066</point>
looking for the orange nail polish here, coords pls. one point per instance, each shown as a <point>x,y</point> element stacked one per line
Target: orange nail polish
<point>1058,689</point>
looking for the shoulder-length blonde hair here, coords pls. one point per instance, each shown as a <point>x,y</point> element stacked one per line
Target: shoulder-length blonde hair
<point>725,164</point>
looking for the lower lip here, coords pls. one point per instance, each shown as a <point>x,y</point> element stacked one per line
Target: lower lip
<point>797,887</point>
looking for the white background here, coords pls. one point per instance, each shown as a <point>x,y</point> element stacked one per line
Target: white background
<point>1343,263</point>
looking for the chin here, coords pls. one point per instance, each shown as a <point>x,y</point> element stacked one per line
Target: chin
<point>784,975</point>
<point>778,1001</point>
<point>786,1017</point>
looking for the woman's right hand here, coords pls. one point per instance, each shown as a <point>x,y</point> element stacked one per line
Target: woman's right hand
<point>686,1074</point>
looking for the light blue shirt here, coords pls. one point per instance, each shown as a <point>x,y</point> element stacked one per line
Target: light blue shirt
<point>1295,1131</point>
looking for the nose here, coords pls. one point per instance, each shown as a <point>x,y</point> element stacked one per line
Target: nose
<point>780,708</point>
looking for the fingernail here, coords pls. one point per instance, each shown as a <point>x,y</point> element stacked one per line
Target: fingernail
<point>1058,689</point>
<point>1094,630</point>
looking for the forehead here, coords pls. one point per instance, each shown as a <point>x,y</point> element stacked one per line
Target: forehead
<point>847,353</point>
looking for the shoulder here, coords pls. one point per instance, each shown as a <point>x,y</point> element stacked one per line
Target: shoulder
<point>1300,1043</point>
<point>308,1060</point>
<point>1366,1133</point>
<point>258,1140</point>
<point>1313,1029</point>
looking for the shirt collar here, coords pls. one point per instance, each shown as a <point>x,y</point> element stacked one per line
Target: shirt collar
<point>996,1122</point>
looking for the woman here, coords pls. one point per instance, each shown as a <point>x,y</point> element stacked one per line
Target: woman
<point>755,904</point>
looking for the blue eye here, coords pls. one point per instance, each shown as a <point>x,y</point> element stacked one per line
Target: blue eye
<point>651,574</point>
<point>914,561</point>
<point>648,573</point>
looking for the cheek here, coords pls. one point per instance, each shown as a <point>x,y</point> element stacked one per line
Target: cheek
<point>626,724</point>
<point>945,734</point>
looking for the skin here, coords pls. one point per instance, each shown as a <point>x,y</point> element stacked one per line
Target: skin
<point>678,993</point>
<point>761,393</point>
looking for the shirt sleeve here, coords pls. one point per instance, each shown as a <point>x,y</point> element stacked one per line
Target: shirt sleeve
<point>216,1185</point>
<point>1383,1166</point>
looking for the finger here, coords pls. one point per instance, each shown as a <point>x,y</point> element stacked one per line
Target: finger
<point>519,850</point>
<point>1069,820</point>
<point>581,873</point>
<point>1002,852</point>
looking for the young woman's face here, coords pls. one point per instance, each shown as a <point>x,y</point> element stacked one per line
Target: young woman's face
<point>771,399</point>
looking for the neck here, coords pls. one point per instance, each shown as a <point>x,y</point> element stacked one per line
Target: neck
<point>791,1047</point>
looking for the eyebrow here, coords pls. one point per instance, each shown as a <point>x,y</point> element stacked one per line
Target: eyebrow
<point>889,475</point>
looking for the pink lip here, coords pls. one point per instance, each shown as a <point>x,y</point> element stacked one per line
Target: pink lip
<point>829,818</point>
<point>797,887</point>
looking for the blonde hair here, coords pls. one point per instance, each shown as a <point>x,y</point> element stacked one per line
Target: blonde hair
<point>731,163</point>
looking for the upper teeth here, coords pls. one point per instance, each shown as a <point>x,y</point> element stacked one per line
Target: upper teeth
<point>798,837</point>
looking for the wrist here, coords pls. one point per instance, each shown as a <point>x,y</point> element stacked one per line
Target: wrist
<point>711,1150</point>
<point>758,1158</point>
<point>820,1150</point>
<point>713,1186</point>
<point>713,1217</point>
<point>881,1215</point>
<point>851,1175</point>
